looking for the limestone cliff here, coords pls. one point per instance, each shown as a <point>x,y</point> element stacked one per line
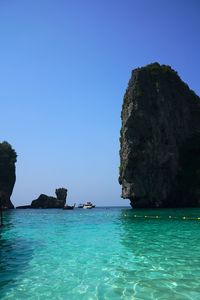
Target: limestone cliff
<point>160,140</point>
<point>8,158</point>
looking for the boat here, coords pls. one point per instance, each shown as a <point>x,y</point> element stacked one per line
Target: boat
<point>69,206</point>
<point>80,205</point>
<point>88,205</point>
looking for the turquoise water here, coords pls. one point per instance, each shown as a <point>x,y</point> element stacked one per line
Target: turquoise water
<point>99,254</point>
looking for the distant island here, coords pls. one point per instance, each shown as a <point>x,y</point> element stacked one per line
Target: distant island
<point>160,140</point>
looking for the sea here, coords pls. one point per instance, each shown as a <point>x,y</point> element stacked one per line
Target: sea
<point>104,253</point>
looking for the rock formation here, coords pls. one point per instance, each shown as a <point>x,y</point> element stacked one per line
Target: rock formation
<point>44,201</point>
<point>23,207</point>
<point>61,194</point>
<point>8,159</point>
<point>160,140</point>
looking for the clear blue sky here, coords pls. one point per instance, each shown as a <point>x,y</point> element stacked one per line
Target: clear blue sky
<point>64,68</point>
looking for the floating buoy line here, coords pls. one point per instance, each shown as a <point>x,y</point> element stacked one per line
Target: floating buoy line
<point>167,217</point>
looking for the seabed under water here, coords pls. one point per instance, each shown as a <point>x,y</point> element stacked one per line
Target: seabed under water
<point>103,253</point>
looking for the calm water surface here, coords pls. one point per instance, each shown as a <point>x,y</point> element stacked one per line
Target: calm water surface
<point>99,254</point>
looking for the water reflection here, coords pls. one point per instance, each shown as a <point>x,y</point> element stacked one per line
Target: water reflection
<point>15,253</point>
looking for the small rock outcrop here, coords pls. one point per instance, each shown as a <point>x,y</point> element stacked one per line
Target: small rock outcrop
<point>44,201</point>
<point>160,140</point>
<point>8,158</point>
<point>23,207</point>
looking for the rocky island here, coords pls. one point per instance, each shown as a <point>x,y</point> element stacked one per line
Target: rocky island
<point>160,140</point>
<point>8,158</point>
<point>44,201</point>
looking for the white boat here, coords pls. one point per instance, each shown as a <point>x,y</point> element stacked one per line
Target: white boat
<point>88,205</point>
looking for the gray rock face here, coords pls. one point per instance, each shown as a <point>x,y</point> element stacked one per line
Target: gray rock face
<point>44,201</point>
<point>160,118</point>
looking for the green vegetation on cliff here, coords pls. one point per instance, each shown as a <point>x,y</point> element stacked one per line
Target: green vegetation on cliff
<point>7,154</point>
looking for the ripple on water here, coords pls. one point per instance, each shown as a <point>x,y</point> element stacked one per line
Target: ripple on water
<point>98,254</point>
